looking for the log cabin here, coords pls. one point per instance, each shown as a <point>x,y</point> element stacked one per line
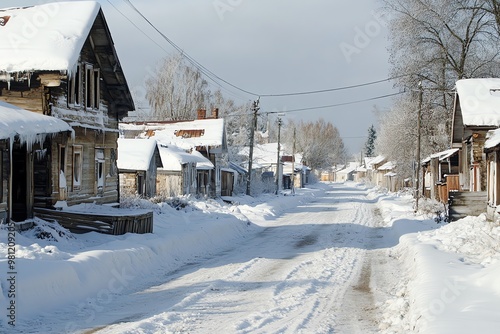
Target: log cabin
<point>59,60</point>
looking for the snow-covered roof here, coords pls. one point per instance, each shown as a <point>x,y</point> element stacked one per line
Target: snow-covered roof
<point>204,163</point>
<point>174,157</point>
<point>479,101</point>
<point>441,155</point>
<point>389,165</point>
<point>370,161</point>
<point>492,138</point>
<point>45,37</point>
<point>26,125</point>
<point>264,154</point>
<point>135,154</point>
<point>187,135</point>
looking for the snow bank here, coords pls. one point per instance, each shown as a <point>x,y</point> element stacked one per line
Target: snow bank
<point>88,271</point>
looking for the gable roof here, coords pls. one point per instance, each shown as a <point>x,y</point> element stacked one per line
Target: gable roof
<point>186,135</point>
<point>28,126</point>
<point>173,158</point>
<point>50,37</point>
<point>45,37</point>
<point>479,101</point>
<point>135,154</point>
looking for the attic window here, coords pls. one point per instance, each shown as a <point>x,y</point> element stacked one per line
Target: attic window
<point>4,20</point>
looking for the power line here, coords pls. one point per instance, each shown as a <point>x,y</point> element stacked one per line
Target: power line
<point>165,50</point>
<point>333,89</point>
<point>202,68</point>
<point>336,105</point>
<point>212,75</point>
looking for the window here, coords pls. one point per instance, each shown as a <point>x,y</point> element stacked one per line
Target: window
<point>92,78</point>
<point>77,166</point>
<point>62,166</point>
<point>84,87</point>
<point>99,167</point>
<point>74,89</point>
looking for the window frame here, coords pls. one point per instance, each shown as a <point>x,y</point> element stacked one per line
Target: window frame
<point>77,169</point>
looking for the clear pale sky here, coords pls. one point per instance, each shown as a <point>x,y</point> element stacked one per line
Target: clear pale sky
<point>265,47</point>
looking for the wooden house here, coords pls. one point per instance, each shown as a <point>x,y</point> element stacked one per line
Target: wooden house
<point>24,145</point>
<point>373,173</point>
<point>476,111</point>
<point>387,177</point>
<point>182,172</point>
<point>440,174</point>
<point>66,67</point>
<point>207,136</point>
<point>138,161</point>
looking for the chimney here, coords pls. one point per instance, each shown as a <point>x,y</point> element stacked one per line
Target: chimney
<point>215,113</point>
<point>202,114</point>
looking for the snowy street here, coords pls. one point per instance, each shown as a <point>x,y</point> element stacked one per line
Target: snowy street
<point>335,258</point>
<point>291,277</point>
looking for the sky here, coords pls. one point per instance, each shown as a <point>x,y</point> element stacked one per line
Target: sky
<point>265,48</point>
<point>259,266</point>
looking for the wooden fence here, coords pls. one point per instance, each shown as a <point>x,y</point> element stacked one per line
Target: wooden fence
<point>110,224</point>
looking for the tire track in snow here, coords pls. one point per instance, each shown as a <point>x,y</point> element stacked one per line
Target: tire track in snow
<point>290,278</point>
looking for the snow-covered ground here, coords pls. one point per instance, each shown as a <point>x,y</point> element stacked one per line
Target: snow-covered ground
<point>334,258</point>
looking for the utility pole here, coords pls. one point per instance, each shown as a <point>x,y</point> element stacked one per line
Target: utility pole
<point>278,159</point>
<point>293,163</point>
<point>255,109</point>
<point>417,181</point>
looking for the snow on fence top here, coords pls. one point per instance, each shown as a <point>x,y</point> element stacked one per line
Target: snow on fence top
<point>44,37</point>
<point>29,127</point>
<point>479,101</point>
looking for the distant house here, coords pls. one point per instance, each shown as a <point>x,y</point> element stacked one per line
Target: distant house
<point>265,164</point>
<point>24,143</point>
<point>138,161</point>
<point>388,177</point>
<point>346,173</point>
<point>476,111</point>
<point>372,169</point>
<point>440,174</point>
<point>67,69</point>
<point>183,173</point>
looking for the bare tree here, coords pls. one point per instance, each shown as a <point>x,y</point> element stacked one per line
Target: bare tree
<point>176,90</point>
<point>319,142</point>
<point>433,43</point>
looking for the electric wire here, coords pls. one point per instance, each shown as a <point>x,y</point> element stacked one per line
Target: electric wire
<point>212,75</point>
<point>335,105</point>
<point>209,73</point>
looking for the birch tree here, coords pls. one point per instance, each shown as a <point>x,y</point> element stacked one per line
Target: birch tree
<point>176,91</point>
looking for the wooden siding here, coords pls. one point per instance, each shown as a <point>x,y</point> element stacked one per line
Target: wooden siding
<point>90,140</point>
<point>169,184</point>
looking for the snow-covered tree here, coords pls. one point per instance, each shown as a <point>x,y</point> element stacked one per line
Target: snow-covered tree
<point>370,142</point>
<point>433,43</point>
<point>319,142</point>
<point>177,90</point>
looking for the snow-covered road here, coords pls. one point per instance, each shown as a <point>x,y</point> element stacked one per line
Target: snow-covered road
<point>289,278</point>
